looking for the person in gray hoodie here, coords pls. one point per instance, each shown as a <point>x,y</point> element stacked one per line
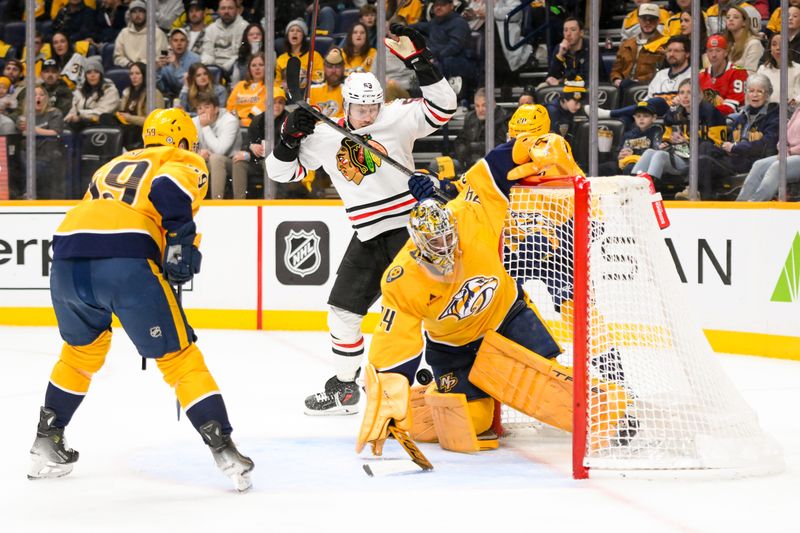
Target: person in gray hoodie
<point>223,37</point>
<point>131,43</point>
<point>97,95</point>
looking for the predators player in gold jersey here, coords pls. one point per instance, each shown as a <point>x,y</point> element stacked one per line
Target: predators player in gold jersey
<point>119,251</point>
<point>449,281</point>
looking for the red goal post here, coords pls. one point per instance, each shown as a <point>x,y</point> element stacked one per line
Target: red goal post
<point>590,254</point>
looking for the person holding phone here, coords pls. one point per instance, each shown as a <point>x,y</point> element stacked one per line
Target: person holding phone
<point>174,62</point>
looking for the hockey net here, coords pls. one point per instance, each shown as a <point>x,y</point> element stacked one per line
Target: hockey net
<point>602,260</point>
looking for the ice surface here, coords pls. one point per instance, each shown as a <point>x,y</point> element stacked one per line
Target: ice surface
<point>140,470</point>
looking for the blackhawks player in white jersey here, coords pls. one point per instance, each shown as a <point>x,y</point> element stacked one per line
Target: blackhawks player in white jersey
<point>375,195</point>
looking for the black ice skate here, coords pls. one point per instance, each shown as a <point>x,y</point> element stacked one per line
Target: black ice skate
<point>50,457</point>
<point>232,463</point>
<point>339,398</point>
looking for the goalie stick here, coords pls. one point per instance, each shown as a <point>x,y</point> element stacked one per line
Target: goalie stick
<point>418,460</point>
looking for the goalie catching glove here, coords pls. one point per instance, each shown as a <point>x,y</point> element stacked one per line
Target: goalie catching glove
<point>410,47</point>
<point>388,402</point>
<point>181,256</point>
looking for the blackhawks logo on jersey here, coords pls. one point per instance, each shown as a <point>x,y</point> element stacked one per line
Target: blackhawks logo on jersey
<point>354,162</point>
<point>473,297</point>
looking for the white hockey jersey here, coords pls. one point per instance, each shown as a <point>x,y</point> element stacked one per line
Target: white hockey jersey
<point>665,83</point>
<point>375,195</point>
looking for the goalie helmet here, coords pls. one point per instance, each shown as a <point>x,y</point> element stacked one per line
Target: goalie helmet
<point>529,118</point>
<point>168,127</point>
<point>361,88</point>
<point>433,230</point>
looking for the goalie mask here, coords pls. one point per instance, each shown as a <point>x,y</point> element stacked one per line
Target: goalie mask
<point>433,230</point>
<point>361,88</point>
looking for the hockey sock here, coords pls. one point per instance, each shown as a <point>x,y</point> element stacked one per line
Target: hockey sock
<point>209,408</point>
<point>64,404</point>
<point>347,357</point>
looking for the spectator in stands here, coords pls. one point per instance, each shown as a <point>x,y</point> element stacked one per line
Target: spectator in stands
<point>13,71</point>
<point>475,14</point>
<point>70,59</point>
<point>199,81</point>
<point>368,15</point>
<point>753,136</point>
<point>218,140</point>
<point>562,112</point>
<point>411,10</point>
<point>110,20</point>
<point>763,180</point>
<point>328,96</point>
<point>635,63</point>
<point>358,55</point>
<point>664,85</point>
<point>167,11</point>
<point>645,135</point>
<point>398,77</point>
<point>17,10</point>
<point>173,67</point>
<point>296,45</point>
<point>774,24</point>
<point>771,69</point>
<point>794,34</point>
<point>6,51</point>
<point>716,16</point>
<point>252,43</point>
<point>77,20</point>
<point>41,52</point>
<point>248,97</point>
<point>222,38</point>
<point>469,145</point>
<point>131,43</point>
<point>631,24</point>
<point>8,106</point>
<point>197,20</point>
<point>96,96</point>
<point>745,48</point>
<point>528,97</point>
<point>249,161</point>
<point>571,58</point>
<point>57,88</point>
<point>56,5</point>
<point>50,184</point>
<point>671,156</point>
<point>722,82</point>
<point>132,110</point>
<point>449,42</point>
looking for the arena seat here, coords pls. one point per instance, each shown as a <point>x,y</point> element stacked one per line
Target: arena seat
<point>584,138</point>
<point>98,147</point>
<point>120,77</point>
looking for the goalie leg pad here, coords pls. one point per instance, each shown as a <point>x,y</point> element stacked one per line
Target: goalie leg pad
<point>524,380</point>
<point>388,400</point>
<point>455,420</point>
<point>422,428</point>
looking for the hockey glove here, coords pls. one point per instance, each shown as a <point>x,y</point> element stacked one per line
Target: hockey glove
<point>424,186</point>
<point>181,257</point>
<point>297,125</point>
<point>411,48</point>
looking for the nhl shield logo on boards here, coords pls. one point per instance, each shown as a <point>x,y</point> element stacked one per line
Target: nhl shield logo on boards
<point>302,252</point>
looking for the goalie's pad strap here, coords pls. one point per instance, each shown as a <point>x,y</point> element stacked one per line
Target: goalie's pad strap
<point>387,401</point>
<point>524,380</point>
<point>422,428</point>
<point>453,420</point>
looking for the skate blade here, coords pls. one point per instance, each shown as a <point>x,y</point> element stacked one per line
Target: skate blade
<point>43,469</point>
<point>335,411</point>
<point>242,482</point>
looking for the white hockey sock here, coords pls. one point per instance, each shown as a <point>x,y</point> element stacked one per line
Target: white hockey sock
<point>347,342</point>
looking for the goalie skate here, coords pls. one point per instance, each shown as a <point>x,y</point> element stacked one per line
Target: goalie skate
<point>50,457</point>
<point>339,398</point>
<point>232,463</point>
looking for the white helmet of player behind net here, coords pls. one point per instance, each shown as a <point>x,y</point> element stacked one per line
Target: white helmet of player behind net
<point>433,230</point>
<point>361,88</point>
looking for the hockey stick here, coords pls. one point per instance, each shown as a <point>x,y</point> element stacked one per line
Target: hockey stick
<point>410,447</point>
<point>179,299</point>
<point>312,44</point>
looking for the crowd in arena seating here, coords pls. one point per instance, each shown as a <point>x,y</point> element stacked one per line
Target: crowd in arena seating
<point>211,55</point>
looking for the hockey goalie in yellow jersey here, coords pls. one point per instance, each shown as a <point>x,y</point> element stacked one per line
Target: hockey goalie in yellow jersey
<point>122,250</point>
<point>483,337</point>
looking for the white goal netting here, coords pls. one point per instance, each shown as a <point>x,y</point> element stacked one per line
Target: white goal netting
<point>679,410</point>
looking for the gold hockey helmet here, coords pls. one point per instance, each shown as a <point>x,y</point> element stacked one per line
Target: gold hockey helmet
<point>529,118</point>
<point>168,127</point>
